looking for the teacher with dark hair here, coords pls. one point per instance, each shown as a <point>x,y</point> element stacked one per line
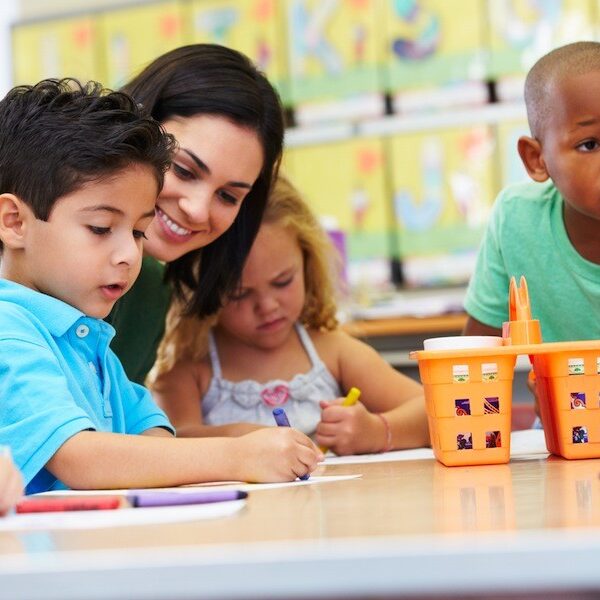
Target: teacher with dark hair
<point>228,122</point>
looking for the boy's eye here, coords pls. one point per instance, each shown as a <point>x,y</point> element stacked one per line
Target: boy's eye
<point>99,230</point>
<point>181,172</point>
<point>137,234</point>
<point>588,146</point>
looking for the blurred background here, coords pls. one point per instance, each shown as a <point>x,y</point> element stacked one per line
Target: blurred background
<point>403,115</point>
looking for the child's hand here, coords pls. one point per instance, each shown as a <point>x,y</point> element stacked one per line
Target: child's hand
<point>276,454</point>
<point>348,429</point>
<point>11,484</point>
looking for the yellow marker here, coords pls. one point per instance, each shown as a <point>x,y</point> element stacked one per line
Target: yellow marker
<point>350,399</point>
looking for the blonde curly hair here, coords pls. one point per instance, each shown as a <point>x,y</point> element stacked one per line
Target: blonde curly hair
<point>186,337</point>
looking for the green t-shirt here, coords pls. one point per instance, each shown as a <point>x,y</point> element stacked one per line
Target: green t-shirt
<point>139,320</point>
<point>526,236</point>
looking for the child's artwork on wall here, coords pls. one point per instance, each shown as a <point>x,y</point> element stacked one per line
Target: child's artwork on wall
<point>511,166</point>
<point>521,31</point>
<point>254,27</point>
<point>133,37</point>
<point>443,187</point>
<point>344,183</point>
<point>56,48</point>
<point>432,43</point>
<point>333,49</point>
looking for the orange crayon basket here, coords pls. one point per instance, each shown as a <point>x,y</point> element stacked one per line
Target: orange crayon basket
<point>468,397</point>
<point>468,392</point>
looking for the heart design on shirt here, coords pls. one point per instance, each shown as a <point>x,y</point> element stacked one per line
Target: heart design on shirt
<point>275,396</point>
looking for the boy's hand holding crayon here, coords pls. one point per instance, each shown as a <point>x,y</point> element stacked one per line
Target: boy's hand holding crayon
<point>276,454</point>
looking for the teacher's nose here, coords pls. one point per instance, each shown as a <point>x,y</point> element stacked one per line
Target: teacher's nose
<point>196,207</point>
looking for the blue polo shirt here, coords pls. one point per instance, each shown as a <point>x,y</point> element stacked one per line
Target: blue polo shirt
<point>58,377</point>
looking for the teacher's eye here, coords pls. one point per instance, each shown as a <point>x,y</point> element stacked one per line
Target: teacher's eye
<point>589,146</point>
<point>182,172</point>
<point>99,230</point>
<point>228,198</point>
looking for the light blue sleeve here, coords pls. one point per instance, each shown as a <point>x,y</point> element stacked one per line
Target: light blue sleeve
<point>38,414</point>
<point>140,412</point>
<point>487,294</point>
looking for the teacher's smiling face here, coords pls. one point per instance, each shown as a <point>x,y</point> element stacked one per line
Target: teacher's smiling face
<point>215,167</point>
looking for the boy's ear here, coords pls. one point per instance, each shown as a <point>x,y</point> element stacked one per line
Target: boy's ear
<point>530,151</point>
<point>13,216</point>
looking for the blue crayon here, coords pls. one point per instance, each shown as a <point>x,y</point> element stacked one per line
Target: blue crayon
<point>282,421</point>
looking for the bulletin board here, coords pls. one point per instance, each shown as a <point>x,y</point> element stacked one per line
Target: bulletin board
<point>333,48</point>
<point>511,166</point>
<point>133,37</point>
<point>254,27</point>
<point>344,182</point>
<point>522,31</point>
<point>66,47</point>
<point>433,42</point>
<point>443,186</point>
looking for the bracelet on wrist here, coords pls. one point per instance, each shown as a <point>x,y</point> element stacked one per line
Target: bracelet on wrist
<point>388,433</point>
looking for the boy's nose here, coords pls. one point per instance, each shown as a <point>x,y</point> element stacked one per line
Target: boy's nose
<point>128,252</point>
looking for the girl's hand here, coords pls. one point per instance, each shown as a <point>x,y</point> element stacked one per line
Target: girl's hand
<point>11,485</point>
<point>349,429</point>
<point>276,454</point>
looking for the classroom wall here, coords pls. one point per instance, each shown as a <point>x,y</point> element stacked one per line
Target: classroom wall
<point>404,114</point>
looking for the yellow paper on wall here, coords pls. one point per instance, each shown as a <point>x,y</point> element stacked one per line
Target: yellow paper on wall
<point>432,42</point>
<point>133,37</point>
<point>344,182</point>
<point>254,27</point>
<point>511,166</point>
<point>522,31</point>
<point>444,183</point>
<point>334,48</point>
<point>56,48</point>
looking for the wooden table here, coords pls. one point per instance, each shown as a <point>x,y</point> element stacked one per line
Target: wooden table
<point>405,529</point>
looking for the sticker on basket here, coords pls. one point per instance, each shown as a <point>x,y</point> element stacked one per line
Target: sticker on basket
<point>577,400</point>
<point>464,441</point>
<point>580,435</point>
<point>460,373</point>
<point>491,406</point>
<point>462,407</point>
<point>489,372</point>
<point>493,439</point>
<point>598,365</point>
<point>576,366</point>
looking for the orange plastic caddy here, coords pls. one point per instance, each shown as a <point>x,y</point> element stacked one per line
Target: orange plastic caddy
<point>468,392</point>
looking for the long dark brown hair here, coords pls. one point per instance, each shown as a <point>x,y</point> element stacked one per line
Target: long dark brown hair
<point>215,80</point>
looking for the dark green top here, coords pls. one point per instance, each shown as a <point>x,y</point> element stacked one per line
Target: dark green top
<point>139,319</point>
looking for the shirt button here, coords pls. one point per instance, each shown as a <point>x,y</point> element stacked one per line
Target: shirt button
<point>82,331</point>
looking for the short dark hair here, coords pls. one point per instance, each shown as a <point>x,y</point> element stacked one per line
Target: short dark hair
<point>215,80</point>
<point>60,134</point>
<point>571,60</point>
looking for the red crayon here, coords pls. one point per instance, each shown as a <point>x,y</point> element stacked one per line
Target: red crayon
<point>72,503</point>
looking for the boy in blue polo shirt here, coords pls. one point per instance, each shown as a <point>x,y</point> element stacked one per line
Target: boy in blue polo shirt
<point>80,170</point>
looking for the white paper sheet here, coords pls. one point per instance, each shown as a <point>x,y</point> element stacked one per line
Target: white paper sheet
<point>120,517</point>
<point>224,485</point>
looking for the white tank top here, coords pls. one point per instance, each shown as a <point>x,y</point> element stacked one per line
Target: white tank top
<point>249,401</point>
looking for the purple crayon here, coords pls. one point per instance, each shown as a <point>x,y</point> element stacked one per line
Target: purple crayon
<point>282,421</point>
